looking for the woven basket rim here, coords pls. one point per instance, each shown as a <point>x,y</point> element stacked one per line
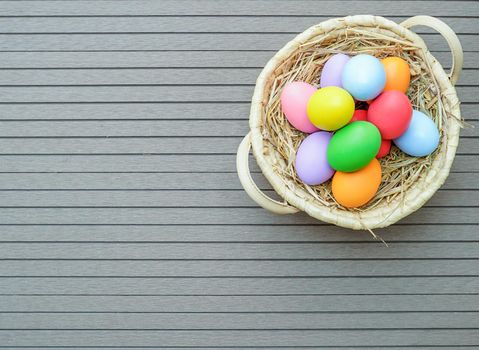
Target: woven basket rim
<point>384,214</point>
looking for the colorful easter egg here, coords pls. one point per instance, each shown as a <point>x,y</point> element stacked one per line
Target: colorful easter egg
<point>294,100</point>
<point>333,70</point>
<point>421,137</point>
<point>398,75</point>
<point>330,108</point>
<point>391,112</point>
<point>364,77</point>
<point>355,189</point>
<point>359,114</point>
<point>384,149</point>
<point>311,162</point>
<point>353,147</point>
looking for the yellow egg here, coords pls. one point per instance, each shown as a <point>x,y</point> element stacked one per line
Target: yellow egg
<point>330,108</point>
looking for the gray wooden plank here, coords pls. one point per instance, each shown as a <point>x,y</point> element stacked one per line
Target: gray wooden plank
<point>137,111</point>
<point>122,94</point>
<point>148,128</point>
<point>147,145</point>
<point>141,144</point>
<point>239,338</point>
<point>179,199</point>
<point>427,347</point>
<point>226,233</point>
<point>228,321</point>
<point>233,233</point>
<point>149,59</point>
<point>176,24</point>
<point>150,163</point>
<point>142,76</point>
<point>111,128</point>
<point>369,268</point>
<point>239,250</point>
<point>163,181</point>
<point>199,216</point>
<point>164,59</point>
<point>134,111</point>
<point>177,163</point>
<point>233,304</point>
<point>235,286</point>
<point>180,41</point>
<point>229,7</point>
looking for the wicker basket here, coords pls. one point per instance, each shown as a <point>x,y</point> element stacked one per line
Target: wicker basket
<point>271,162</point>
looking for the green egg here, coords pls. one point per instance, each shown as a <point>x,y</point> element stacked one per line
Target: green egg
<point>354,146</point>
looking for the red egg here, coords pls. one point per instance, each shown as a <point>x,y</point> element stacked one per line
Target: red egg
<point>384,149</point>
<point>391,112</point>
<point>359,114</point>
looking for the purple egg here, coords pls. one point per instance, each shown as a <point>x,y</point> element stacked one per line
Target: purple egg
<point>312,164</point>
<point>333,69</point>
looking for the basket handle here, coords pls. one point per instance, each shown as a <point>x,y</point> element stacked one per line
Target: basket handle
<point>448,34</point>
<point>250,187</point>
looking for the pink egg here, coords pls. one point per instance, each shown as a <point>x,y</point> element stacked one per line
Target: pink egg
<point>294,100</point>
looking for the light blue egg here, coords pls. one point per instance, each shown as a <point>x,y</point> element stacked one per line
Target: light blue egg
<point>364,77</point>
<point>421,137</point>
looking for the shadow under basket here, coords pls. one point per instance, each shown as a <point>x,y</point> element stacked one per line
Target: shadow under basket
<point>407,182</point>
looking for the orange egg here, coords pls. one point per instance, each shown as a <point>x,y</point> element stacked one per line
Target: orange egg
<point>397,74</point>
<point>352,190</point>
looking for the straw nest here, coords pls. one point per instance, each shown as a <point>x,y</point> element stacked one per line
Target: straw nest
<point>399,171</point>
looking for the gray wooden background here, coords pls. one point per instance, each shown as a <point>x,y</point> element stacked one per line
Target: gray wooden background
<point>123,224</point>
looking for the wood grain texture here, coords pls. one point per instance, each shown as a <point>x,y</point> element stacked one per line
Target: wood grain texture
<point>237,303</point>
<point>125,94</point>
<point>184,41</point>
<point>427,347</point>
<point>164,181</point>
<point>228,7</point>
<point>199,216</point>
<point>238,321</point>
<point>197,24</point>
<point>163,59</point>
<point>148,77</point>
<point>145,128</point>
<point>144,145</point>
<point>178,198</point>
<point>240,250</point>
<point>240,338</point>
<point>151,111</point>
<point>231,233</point>
<point>268,269</point>
<point>123,224</point>
<point>151,163</point>
<point>240,285</point>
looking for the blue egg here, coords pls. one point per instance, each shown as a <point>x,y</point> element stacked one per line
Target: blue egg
<point>364,77</point>
<point>421,137</point>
